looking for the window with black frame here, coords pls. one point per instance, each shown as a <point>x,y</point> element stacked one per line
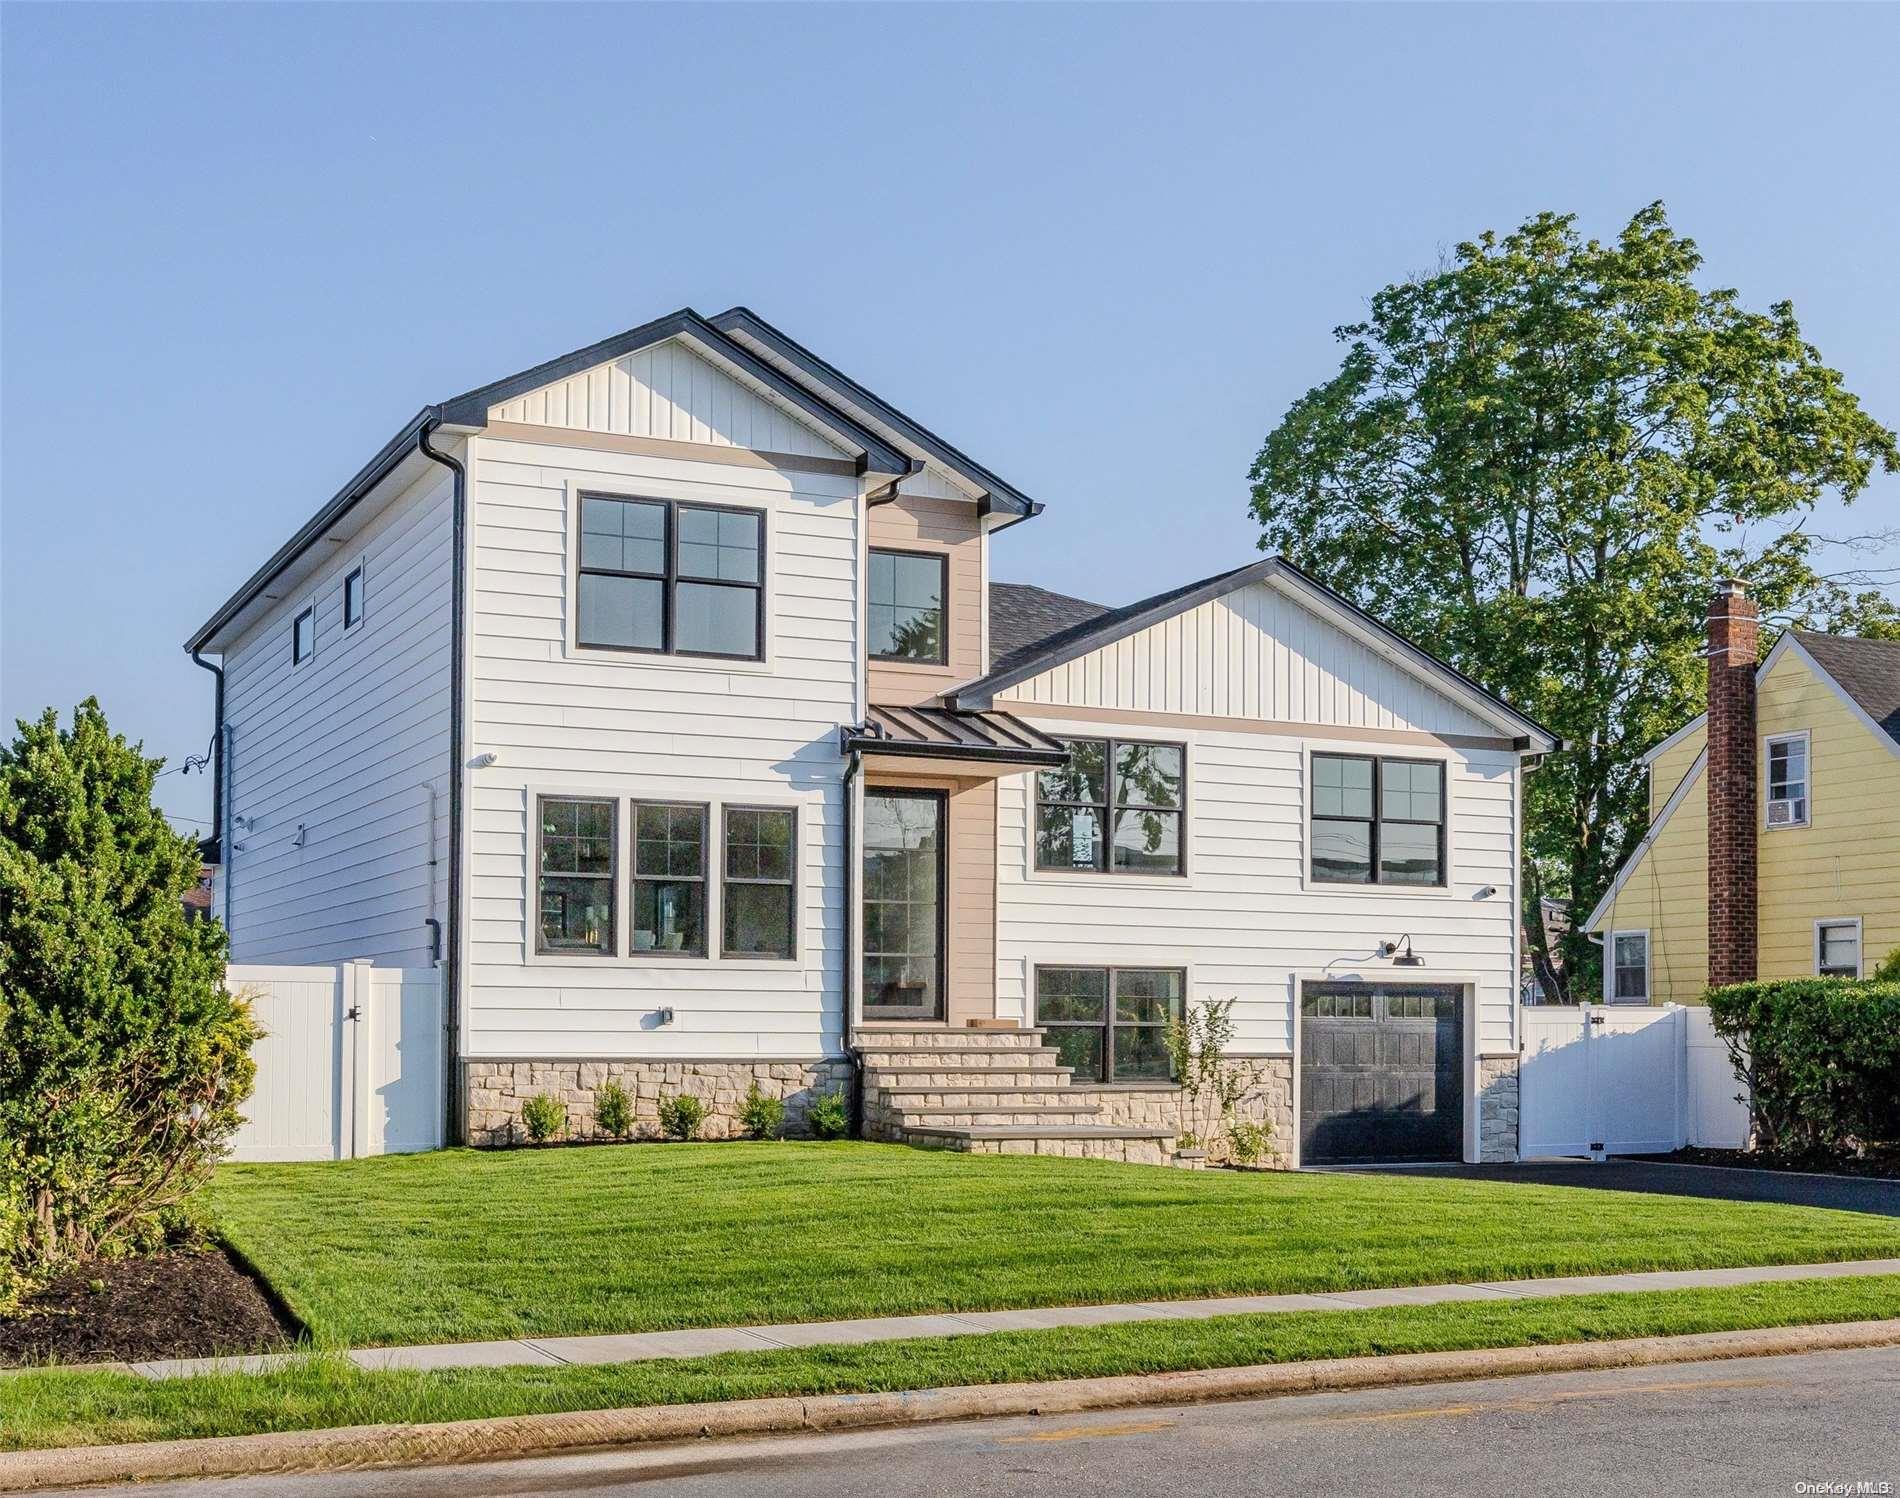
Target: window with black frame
<point>1110,1024</point>
<point>574,894</point>
<point>760,892</point>
<point>1377,821</point>
<point>1116,807</point>
<point>669,879</point>
<point>905,607</point>
<point>671,578</point>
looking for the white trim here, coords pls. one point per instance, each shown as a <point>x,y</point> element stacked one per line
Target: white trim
<point>1807,779</point>
<point>1860,945</point>
<point>1698,721</point>
<point>1676,797</point>
<point>1308,747</point>
<point>1609,968</point>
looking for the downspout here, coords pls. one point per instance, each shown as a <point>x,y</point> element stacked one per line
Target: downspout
<point>458,670</point>
<point>850,929</point>
<point>217,752</point>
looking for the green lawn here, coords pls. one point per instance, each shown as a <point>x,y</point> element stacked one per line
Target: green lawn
<point>464,1245</point>
<point>68,1409</point>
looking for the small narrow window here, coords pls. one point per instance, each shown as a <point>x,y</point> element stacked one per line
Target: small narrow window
<point>669,879</point>
<point>1837,949</point>
<point>575,889</point>
<point>1110,1024</point>
<point>906,606</point>
<point>1378,821</point>
<point>1788,781</point>
<point>303,637</point>
<point>1114,808</point>
<point>761,893</point>
<point>353,598</point>
<point>1629,967</point>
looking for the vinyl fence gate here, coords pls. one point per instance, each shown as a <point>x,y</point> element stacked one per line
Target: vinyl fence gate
<point>1624,1079</point>
<point>350,1062</point>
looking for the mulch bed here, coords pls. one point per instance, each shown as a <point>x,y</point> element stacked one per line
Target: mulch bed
<point>182,1303</point>
<point>1880,1164</point>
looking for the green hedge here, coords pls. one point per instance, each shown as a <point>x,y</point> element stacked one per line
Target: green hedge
<point>1822,1056</point>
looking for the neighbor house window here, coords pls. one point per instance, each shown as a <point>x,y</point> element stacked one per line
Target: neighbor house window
<point>1378,821</point>
<point>669,878</point>
<point>353,598</point>
<point>677,579</point>
<point>575,885</point>
<point>760,892</point>
<point>1110,1023</point>
<point>1837,949</point>
<point>303,637</point>
<point>906,606</point>
<point>1788,781</point>
<point>1629,967</point>
<point>1114,808</point>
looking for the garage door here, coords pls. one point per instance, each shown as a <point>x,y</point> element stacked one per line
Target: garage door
<point>1381,1072</point>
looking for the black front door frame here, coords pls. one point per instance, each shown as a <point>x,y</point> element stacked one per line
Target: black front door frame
<point>873,1012</point>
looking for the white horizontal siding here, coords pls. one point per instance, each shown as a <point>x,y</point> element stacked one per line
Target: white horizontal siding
<point>670,392</point>
<point>1243,918</point>
<point>346,745</point>
<point>1253,653</point>
<point>645,728</point>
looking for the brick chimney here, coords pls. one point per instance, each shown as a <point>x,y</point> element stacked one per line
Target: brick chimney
<point>1733,810</point>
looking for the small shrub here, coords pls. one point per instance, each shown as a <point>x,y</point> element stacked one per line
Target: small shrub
<point>1248,1140</point>
<point>544,1115</point>
<point>1889,969</point>
<point>681,1115</point>
<point>613,1109</point>
<point>830,1116</point>
<point>761,1116</point>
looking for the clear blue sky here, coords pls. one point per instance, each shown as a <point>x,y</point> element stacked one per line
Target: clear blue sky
<point>1099,248</point>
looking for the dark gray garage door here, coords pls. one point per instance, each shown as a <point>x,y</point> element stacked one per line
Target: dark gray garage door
<point>1381,1072</point>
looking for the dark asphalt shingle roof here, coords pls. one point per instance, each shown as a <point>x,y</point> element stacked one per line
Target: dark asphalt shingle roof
<point>1023,616</point>
<point>1867,670</point>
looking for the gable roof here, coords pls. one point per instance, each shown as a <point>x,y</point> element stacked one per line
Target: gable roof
<point>1868,671</point>
<point>1023,616</point>
<point>743,325</point>
<point>1676,797</point>
<point>1090,634</point>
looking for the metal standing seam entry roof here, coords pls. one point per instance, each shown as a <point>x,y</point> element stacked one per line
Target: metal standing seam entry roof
<point>939,733</point>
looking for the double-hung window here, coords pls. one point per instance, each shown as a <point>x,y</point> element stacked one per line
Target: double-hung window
<point>1837,948</point>
<point>1378,821</point>
<point>905,619</point>
<point>760,891</point>
<point>1110,1023</point>
<point>1629,968</point>
<point>574,890</point>
<point>671,578</point>
<point>1116,807</point>
<point>1788,781</point>
<point>669,878</point>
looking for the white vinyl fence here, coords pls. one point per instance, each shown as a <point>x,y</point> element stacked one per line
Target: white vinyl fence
<point>1597,1079</point>
<point>350,1062</point>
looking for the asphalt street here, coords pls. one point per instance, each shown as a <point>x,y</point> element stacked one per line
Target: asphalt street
<point>1747,1426</point>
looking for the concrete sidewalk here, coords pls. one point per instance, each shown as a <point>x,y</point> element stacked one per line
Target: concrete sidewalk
<point>549,1352</point>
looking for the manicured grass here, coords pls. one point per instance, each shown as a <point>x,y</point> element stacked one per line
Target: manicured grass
<point>464,1245</point>
<point>67,1409</point>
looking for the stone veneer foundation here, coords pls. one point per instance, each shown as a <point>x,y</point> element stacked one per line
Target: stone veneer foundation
<point>1270,1103</point>
<point>1497,1108</point>
<point>495,1091</point>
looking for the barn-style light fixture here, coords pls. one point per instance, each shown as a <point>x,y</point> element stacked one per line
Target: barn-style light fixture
<point>1408,958</point>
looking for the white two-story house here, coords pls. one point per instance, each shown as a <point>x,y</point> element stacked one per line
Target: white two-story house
<point>663,696</point>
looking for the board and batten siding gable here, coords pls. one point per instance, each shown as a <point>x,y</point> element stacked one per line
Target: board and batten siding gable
<point>347,745</point>
<point>670,393</point>
<point>641,727</point>
<point>1252,653</point>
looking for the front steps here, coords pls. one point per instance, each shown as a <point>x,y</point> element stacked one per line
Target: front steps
<point>991,1092</point>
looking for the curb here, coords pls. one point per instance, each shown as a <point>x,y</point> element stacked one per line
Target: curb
<point>361,1446</point>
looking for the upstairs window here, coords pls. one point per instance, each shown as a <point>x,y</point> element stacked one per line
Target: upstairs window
<point>1378,821</point>
<point>669,578</point>
<point>1788,781</point>
<point>353,598</point>
<point>905,620</point>
<point>575,888</point>
<point>1837,948</point>
<point>1629,968</point>
<point>1116,807</point>
<point>303,637</point>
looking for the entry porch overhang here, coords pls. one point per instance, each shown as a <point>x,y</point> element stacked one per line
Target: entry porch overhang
<point>966,744</point>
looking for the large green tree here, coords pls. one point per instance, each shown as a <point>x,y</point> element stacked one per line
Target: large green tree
<point>1538,462</point>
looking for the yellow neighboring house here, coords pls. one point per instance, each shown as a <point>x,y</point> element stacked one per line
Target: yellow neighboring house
<point>1773,848</point>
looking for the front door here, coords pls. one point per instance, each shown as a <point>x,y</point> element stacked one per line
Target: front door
<point>903,904</point>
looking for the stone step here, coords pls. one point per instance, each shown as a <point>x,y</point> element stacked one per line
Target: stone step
<point>1059,1095</point>
<point>1017,1058</point>
<point>943,1038</point>
<point>1005,1115</point>
<point>952,1077</point>
<point>1137,1146</point>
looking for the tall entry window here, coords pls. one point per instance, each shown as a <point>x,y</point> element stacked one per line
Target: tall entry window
<point>676,579</point>
<point>903,904</point>
<point>906,606</point>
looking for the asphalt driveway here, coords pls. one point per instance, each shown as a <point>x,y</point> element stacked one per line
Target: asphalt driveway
<point>1849,1193</point>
